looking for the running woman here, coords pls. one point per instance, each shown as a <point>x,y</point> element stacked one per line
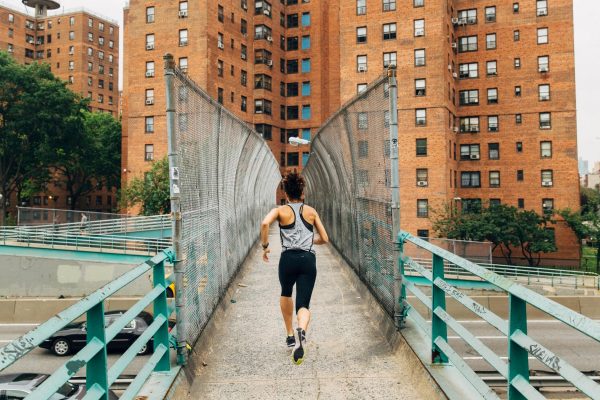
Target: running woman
<point>297,265</point>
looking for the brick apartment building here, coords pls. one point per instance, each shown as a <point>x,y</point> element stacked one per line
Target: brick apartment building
<point>81,48</point>
<point>486,88</point>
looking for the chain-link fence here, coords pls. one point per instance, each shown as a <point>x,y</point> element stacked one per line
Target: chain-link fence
<point>348,181</point>
<point>225,177</point>
<point>53,216</point>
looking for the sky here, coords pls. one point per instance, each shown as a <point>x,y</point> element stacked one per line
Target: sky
<point>587,59</point>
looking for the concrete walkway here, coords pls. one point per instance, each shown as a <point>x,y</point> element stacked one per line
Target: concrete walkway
<point>242,354</point>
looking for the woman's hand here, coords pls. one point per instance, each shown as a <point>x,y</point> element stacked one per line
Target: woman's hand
<point>266,254</point>
<point>318,240</point>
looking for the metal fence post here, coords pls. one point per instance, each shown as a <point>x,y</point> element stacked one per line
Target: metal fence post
<point>395,188</point>
<point>518,362</point>
<point>176,227</point>
<point>161,308</point>
<point>438,299</point>
<point>97,367</point>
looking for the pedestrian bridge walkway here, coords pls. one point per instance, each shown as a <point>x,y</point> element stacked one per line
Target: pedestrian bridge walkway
<point>242,354</point>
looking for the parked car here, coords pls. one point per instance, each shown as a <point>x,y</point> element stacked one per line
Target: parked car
<point>74,336</point>
<point>19,386</point>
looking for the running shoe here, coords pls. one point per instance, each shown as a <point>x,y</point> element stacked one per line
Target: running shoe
<point>290,341</point>
<point>298,353</point>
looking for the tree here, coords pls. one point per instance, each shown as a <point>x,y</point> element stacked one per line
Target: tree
<point>36,109</point>
<point>90,157</point>
<point>506,227</point>
<point>586,225</point>
<point>151,192</point>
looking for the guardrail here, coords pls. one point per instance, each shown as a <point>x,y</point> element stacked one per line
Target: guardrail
<point>15,236</point>
<point>525,274</point>
<point>111,226</point>
<point>94,355</point>
<point>520,345</point>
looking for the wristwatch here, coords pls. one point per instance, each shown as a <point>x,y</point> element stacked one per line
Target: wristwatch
<point>265,245</point>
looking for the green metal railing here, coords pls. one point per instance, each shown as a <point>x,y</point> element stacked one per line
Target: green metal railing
<point>94,355</point>
<point>81,241</point>
<point>520,345</point>
<point>105,227</point>
<point>522,274</point>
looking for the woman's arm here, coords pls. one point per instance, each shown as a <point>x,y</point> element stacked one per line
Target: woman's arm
<point>271,217</point>
<point>323,238</point>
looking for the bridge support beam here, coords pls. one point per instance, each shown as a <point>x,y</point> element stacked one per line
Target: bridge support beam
<point>438,299</point>
<point>518,361</point>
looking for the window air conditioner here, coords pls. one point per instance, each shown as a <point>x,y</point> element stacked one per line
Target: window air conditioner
<point>474,156</point>
<point>421,183</point>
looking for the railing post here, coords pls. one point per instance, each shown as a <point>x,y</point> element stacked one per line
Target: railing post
<point>518,361</point>
<point>97,367</point>
<point>161,308</point>
<point>395,188</point>
<point>438,299</point>
<point>176,224</point>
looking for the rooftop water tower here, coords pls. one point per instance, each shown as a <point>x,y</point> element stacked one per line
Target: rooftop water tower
<point>42,6</point>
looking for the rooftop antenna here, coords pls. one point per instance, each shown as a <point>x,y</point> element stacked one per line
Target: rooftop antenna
<point>42,6</point>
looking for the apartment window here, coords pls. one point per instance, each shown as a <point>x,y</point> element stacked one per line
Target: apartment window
<point>11,18</point>
<point>149,124</point>
<point>389,31</point>
<point>305,65</point>
<point>468,97</point>
<point>420,87</point>
<point>183,64</point>
<point>516,8</point>
<point>519,147</point>
<point>363,149</point>
<point>361,34</point>
<point>491,68</point>
<point>361,63</point>
<point>389,5</point>
<point>467,17</point>
<point>422,233</point>
<point>292,21</point>
<point>493,125</point>
<point>361,7</point>
<point>361,87</point>
<point>262,32</point>
<point>389,59</point>
<point>469,124</point>
<point>516,35</point>
<point>150,41</point>
<point>494,179</point>
<point>90,67</point>
<point>547,177</point>
<point>542,35</point>
<point>490,41</point>
<point>520,175</point>
<point>306,112</point>
<point>265,130</point>
<point>220,68</point>
<point>305,19</point>
<point>90,37</point>
<point>149,151</point>
<point>71,21</point>
<point>100,83</point>
<point>71,65</point>
<point>422,208</point>
<point>517,63</point>
<point>90,52</point>
<point>262,106</point>
<point>90,81</point>
<point>363,120</point>
<point>90,23</point>
<point>306,89</point>
<point>546,149</point>
<point>244,104</point>
<point>470,180</point>
<point>292,43</point>
<point>420,117</point>
<point>492,96</point>
<point>467,43</point>
<point>71,79</point>
<point>470,70</point>
<point>262,81</point>
<point>418,3</point>
<point>518,118</point>
<point>422,176</point>
<point>244,78</point>
<point>518,91</point>
<point>469,152</point>
<point>544,92</point>
<point>541,8</point>
<point>101,41</point>
<point>292,112</point>
<point>293,159</point>
<point>419,27</point>
<point>149,69</point>
<point>262,7</point>
<point>71,35</point>
<point>543,63</point>
<point>110,58</point>
<point>305,42</point>
<point>421,146</point>
<point>220,14</point>
<point>419,57</point>
<point>183,9</point>
<point>547,206</point>
<point>149,96</point>
<point>494,151</point>
<point>490,14</point>
<point>545,120</point>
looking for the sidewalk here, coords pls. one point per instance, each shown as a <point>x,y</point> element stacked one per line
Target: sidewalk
<point>243,354</point>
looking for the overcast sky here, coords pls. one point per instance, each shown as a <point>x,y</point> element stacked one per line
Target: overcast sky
<point>587,59</point>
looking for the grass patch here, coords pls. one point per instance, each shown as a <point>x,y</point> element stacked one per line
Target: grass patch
<point>588,259</point>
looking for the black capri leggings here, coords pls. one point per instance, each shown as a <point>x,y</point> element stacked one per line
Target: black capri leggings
<point>298,267</point>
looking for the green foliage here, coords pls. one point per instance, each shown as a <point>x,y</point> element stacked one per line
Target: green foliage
<point>506,227</point>
<point>586,222</point>
<point>590,201</point>
<point>151,192</point>
<point>37,110</point>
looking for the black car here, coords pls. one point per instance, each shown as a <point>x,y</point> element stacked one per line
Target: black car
<point>73,337</point>
<point>19,386</point>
